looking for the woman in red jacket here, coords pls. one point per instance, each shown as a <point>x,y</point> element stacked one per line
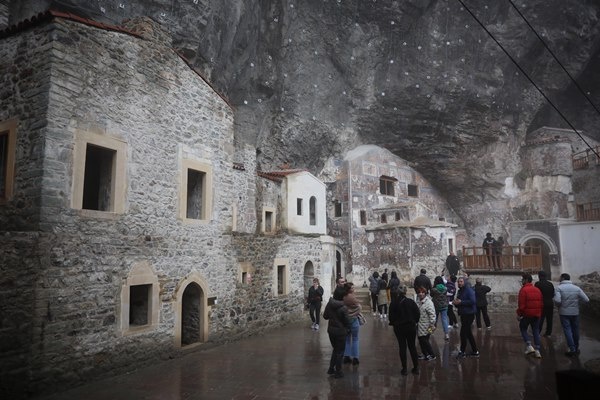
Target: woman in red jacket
<point>529,312</point>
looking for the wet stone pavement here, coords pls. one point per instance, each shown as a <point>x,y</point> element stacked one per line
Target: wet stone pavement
<point>291,363</point>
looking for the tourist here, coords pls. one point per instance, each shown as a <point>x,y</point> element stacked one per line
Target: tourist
<point>467,306</point>
<point>422,281</point>
<point>404,316</point>
<point>340,281</point>
<point>498,249</point>
<point>426,324</point>
<point>374,290</point>
<point>529,312</point>
<point>450,293</point>
<point>382,302</point>
<point>440,302</point>
<point>384,277</point>
<point>394,284</point>
<point>489,245</point>
<point>354,309</point>
<point>315,297</point>
<point>481,292</point>
<point>339,326</point>
<point>547,289</point>
<point>567,298</point>
<point>452,264</point>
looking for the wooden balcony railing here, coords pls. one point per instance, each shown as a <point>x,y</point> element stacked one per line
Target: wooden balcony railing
<point>584,159</point>
<point>588,211</point>
<point>510,258</point>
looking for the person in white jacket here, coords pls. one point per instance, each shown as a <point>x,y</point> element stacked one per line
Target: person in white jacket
<point>567,297</point>
<point>426,324</point>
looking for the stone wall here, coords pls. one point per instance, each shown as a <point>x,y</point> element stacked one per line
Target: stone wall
<point>64,269</point>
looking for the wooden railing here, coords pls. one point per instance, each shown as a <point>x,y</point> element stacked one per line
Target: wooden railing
<point>584,159</point>
<point>511,258</point>
<point>588,211</point>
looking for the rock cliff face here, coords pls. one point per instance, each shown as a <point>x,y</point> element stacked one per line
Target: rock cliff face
<point>312,79</point>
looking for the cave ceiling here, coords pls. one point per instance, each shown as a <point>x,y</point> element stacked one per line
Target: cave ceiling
<point>312,79</point>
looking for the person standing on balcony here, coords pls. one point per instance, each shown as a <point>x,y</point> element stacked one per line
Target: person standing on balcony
<point>498,252</point>
<point>489,244</point>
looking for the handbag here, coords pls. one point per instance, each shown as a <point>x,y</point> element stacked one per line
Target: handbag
<point>361,319</point>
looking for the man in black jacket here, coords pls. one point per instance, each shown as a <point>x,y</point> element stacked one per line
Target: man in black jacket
<point>452,264</point>
<point>547,289</point>
<point>489,245</point>
<point>422,281</point>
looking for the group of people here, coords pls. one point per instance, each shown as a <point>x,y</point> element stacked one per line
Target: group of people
<point>536,306</point>
<point>415,320</point>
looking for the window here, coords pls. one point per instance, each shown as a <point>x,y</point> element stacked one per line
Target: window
<point>298,206</point>
<point>8,131</point>
<point>451,244</point>
<point>312,205</point>
<point>139,309</point>
<point>386,185</point>
<point>397,216</point>
<point>281,277</point>
<point>337,212</point>
<point>246,273</point>
<point>99,166</point>
<point>363,217</point>
<point>195,196</point>
<point>383,218</point>
<point>268,220</point>
<point>413,190</point>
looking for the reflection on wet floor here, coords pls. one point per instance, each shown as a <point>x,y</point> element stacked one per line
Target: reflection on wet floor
<point>291,363</point>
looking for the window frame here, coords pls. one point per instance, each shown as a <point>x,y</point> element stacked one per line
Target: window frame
<point>408,190</point>
<point>281,262</point>
<point>207,190</point>
<point>263,223</point>
<point>118,173</point>
<point>9,128</point>
<point>387,185</point>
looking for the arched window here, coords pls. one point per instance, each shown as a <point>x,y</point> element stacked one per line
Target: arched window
<point>312,205</point>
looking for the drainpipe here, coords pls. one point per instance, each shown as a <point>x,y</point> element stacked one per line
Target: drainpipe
<point>350,244</point>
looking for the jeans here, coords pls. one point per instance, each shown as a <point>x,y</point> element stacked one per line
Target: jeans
<point>570,324</point>
<point>444,314</point>
<point>525,323</point>
<point>406,335</point>
<point>486,318</point>
<point>352,340</point>
<point>314,309</point>
<point>466,335</point>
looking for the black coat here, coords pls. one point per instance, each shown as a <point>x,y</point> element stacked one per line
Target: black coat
<point>403,311</point>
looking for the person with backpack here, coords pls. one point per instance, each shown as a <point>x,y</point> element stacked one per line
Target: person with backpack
<point>394,284</point>
<point>382,302</point>
<point>440,302</point>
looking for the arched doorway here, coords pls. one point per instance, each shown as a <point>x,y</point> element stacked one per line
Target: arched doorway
<point>309,274</point>
<point>191,315</point>
<point>537,242</point>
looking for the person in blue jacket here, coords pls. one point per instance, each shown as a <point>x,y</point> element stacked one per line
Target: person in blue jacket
<point>466,305</point>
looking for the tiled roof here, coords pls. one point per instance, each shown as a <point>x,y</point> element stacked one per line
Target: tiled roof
<point>278,176</point>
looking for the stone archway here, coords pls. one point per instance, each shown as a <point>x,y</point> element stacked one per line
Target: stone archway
<point>191,311</point>
<point>309,274</point>
<point>548,248</point>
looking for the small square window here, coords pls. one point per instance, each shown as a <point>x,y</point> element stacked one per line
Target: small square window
<point>413,190</point>
<point>383,218</point>
<point>386,185</point>
<point>268,224</point>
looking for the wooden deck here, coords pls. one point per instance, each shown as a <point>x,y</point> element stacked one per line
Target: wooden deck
<point>510,259</point>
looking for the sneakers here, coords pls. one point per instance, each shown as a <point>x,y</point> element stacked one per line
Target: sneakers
<point>330,371</point>
<point>316,327</point>
<point>347,360</point>
<point>571,353</point>
<point>489,327</point>
<point>338,375</point>
<point>537,354</point>
<point>355,361</point>
<point>461,354</point>
<point>529,350</point>
<point>312,326</point>
<point>430,358</point>
<point>474,354</point>
<point>422,357</point>
<point>446,337</point>
<point>403,372</point>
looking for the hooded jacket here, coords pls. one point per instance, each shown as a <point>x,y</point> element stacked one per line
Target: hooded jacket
<point>438,295</point>
<point>530,301</point>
